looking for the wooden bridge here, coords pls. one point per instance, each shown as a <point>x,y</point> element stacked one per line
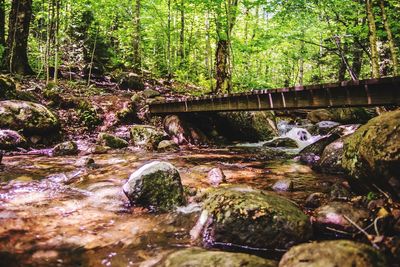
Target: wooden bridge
<point>364,93</point>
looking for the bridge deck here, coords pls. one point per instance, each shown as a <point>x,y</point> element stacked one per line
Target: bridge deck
<point>373,92</point>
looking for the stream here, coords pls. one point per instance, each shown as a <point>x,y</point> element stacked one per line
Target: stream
<point>53,212</point>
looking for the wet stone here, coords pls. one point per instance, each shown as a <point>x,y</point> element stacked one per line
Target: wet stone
<point>285,185</point>
<point>282,142</point>
<point>216,177</point>
<point>250,218</point>
<point>11,139</point>
<point>194,257</point>
<point>111,141</point>
<point>315,200</point>
<point>155,185</point>
<point>337,215</point>
<point>69,148</point>
<point>341,253</point>
<point>167,146</point>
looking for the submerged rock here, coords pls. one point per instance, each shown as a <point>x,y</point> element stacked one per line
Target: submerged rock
<point>341,253</point>
<point>167,146</point>
<point>284,185</point>
<point>216,177</point>
<point>155,185</point>
<point>30,117</point>
<point>242,216</point>
<point>372,153</point>
<point>337,215</point>
<point>69,148</point>
<point>112,141</point>
<point>195,257</point>
<point>282,142</point>
<point>11,139</point>
<point>145,136</point>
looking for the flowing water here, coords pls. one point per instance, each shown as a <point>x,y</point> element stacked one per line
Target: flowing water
<point>55,213</point>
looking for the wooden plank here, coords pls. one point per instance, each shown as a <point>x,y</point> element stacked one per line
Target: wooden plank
<point>373,92</point>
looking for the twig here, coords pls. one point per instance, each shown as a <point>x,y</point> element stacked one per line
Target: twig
<point>362,231</point>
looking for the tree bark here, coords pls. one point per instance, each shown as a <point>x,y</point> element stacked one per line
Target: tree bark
<point>137,38</point>
<point>222,73</point>
<point>391,42</point>
<point>373,39</point>
<point>16,56</point>
<point>182,34</point>
<point>2,23</point>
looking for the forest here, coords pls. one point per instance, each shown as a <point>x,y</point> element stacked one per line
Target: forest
<point>202,133</point>
<point>216,45</point>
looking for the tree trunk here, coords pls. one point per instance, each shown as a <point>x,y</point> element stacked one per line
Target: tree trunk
<point>373,39</point>
<point>222,73</point>
<point>16,56</point>
<point>137,38</point>
<point>2,23</point>
<point>357,60</point>
<point>389,33</point>
<point>182,34</point>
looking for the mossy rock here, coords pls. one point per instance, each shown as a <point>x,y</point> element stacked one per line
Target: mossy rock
<point>195,257</point>
<point>167,146</point>
<point>112,141</point>
<point>341,115</point>
<point>145,136</point>
<point>282,142</point>
<point>29,117</point>
<point>341,253</point>
<point>251,218</point>
<point>372,153</point>
<point>247,126</point>
<point>156,185</point>
<point>11,139</point>
<point>68,148</point>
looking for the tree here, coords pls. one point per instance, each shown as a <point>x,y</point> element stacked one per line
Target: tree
<point>16,57</point>
<point>137,37</point>
<point>392,46</point>
<point>2,23</point>
<point>373,39</point>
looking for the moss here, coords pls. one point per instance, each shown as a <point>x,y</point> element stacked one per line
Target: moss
<point>146,136</point>
<point>112,141</point>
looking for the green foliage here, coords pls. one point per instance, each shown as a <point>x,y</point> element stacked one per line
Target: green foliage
<point>88,115</point>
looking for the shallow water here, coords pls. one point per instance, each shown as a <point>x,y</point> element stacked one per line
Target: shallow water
<point>55,213</point>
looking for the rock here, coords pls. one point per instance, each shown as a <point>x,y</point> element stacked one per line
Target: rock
<point>69,148</point>
<point>11,139</point>
<point>341,115</point>
<point>27,116</point>
<point>85,162</point>
<point>1,156</point>
<point>339,192</point>
<point>324,127</point>
<point>331,158</point>
<point>216,177</point>
<point>195,257</point>
<point>182,132</point>
<point>341,253</point>
<point>319,146</point>
<point>250,218</point>
<point>247,126</point>
<point>167,146</point>
<point>284,185</point>
<point>155,185</point>
<point>345,130</point>
<point>131,81</point>
<point>333,215</point>
<point>315,200</point>
<point>145,136</point>
<point>282,142</point>
<point>372,153</point>
<point>266,153</point>
<point>150,93</point>
<point>112,141</point>
<point>8,89</point>
<point>98,149</point>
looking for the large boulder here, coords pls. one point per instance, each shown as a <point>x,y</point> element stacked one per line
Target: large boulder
<point>195,257</point>
<point>250,218</point>
<point>341,253</point>
<point>11,139</point>
<point>111,141</point>
<point>30,117</point>
<point>372,153</point>
<point>341,115</point>
<point>155,185</point>
<point>331,158</point>
<point>145,136</point>
<point>183,132</point>
<point>247,126</point>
